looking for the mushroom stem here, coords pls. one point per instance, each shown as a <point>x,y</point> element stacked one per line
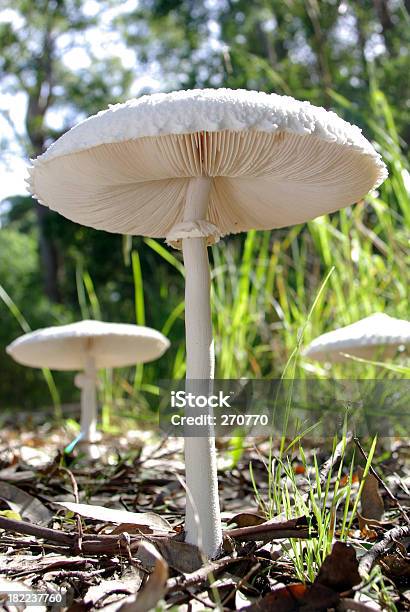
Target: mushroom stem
<point>89,402</point>
<point>202,518</point>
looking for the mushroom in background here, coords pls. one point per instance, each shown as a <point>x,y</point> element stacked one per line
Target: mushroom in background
<point>190,167</point>
<point>88,346</point>
<point>378,336</point>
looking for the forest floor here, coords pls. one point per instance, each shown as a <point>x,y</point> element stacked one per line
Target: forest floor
<point>323,551</point>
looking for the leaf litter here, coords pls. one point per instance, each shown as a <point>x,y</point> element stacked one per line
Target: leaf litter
<point>110,535</point>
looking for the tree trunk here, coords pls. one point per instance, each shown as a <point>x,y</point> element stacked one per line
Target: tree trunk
<point>383,14</point>
<point>47,247</point>
<point>320,47</point>
<point>39,100</point>
<point>48,255</point>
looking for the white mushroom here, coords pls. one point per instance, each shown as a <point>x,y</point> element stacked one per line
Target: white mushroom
<point>376,337</point>
<point>88,346</point>
<point>192,166</point>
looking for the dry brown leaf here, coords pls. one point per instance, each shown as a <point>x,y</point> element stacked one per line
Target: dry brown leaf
<point>365,530</point>
<point>373,523</point>
<point>246,519</point>
<point>29,507</point>
<point>155,588</point>
<point>297,597</point>
<point>396,566</point>
<point>108,590</point>
<point>112,515</point>
<point>181,556</point>
<point>371,501</point>
<point>339,570</point>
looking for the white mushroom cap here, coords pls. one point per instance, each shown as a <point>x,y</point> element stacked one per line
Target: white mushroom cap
<point>373,337</point>
<point>275,162</point>
<point>67,347</point>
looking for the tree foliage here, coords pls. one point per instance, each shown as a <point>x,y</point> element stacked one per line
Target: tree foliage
<point>303,48</point>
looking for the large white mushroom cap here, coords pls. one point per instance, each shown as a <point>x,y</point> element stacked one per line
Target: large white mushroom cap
<point>377,336</point>
<point>67,347</point>
<point>275,161</point>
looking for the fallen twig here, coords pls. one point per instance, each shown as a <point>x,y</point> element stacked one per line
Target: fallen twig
<point>369,559</point>
<point>382,483</point>
<point>91,544</point>
<point>294,528</point>
<point>328,465</point>
<point>202,574</point>
<point>52,535</point>
<point>31,544</point>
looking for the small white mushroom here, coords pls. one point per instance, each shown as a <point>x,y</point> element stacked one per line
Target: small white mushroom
<point>192,166</point>
<point>88,346</point>
<point>375,337</point>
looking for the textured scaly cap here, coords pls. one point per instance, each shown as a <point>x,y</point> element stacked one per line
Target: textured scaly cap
<point>274,161</point>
